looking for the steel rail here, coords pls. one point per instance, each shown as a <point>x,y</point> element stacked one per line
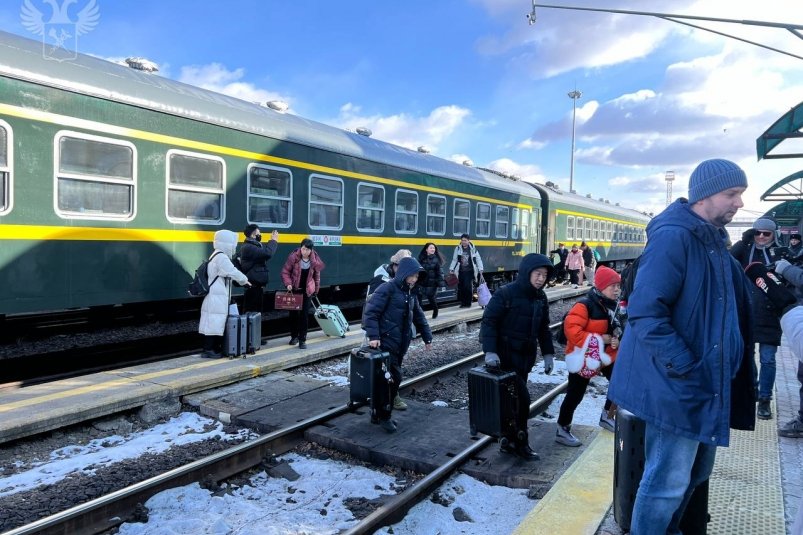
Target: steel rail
<point>111,510</point>
<point>398,506</point>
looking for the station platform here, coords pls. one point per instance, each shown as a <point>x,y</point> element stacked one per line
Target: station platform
<point>30,410</point>
<point>756,487</point>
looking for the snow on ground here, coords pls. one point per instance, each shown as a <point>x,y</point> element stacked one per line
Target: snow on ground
<point>183,429</point>
<point>311,505</point>
<point>314,504</point>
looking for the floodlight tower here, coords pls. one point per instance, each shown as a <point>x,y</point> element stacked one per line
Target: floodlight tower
<point>669,177</point>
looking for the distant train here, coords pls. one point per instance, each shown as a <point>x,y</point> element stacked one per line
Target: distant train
<point>113,182</point>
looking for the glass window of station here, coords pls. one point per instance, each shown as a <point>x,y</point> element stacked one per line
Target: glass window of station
<point>462,215</point>
<point>270,196</point>
<point>196,188</point>
<point>370,208</point>
<point>325,202</point>
<point>95,177</point>
<point>406,211</point>
<point>483,220</point>
<point>436,215</point>
<point>502,221</point>
<point>5,167</point>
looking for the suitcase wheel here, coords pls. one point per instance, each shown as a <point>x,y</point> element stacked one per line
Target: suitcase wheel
<point>342,336</point>
<point>504,442</point>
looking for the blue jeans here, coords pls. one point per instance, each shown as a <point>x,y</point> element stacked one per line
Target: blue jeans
<point>766,375</point>
<point>673,468</point>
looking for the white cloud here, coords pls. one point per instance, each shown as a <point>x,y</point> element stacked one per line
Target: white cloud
<point>406,130</point>
<point>217,77</point>
<point>528,172</point>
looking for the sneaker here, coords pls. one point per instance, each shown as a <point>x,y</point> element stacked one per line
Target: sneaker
<point>764,412</point>
<point>293,341</point>
<point>607,423</point>
<point>388,425</point>
<point>792,429</point>
<point>209,354</point>
<point>302,344</point>
<point>564,436</point>
<point>399,404</point>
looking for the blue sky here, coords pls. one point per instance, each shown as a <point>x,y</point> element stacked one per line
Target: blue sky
<point>472,80</point>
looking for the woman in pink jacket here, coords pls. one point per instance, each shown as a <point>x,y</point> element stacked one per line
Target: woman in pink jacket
<point>575,266</point>
<point>302,273</point>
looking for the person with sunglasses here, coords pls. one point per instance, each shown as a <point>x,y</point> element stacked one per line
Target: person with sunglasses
<point>756,246</point>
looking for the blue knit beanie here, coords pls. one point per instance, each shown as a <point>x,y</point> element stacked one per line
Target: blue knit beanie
<point>713,176</point>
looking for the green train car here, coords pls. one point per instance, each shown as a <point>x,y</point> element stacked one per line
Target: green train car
<point>113,182</point>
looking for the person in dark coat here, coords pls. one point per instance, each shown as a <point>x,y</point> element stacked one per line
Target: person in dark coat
<point>389,318</point>
<point>560,267</point>
<point>514,323</point>
<point>685,362</point>
<point>795,245</point>
<point>254,256</point>
<point>432,261</point>
<point>756,246</point>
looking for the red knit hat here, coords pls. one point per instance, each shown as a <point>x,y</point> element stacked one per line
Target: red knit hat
<point>604,277</point>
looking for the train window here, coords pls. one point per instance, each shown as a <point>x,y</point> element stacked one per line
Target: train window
<point>502,221</point>
<point>195,187</point>
<point>514,223</point>
<point>587,234</point>
<point>406,211</point>
<point>325,202</point>
<point>608,231</point>
<point>483,220</point>
<point>370,207</point>
<point>569,227</point>
<point>595,231</point>
<point>579,230</point>
<point>525,224</point>
<point>95,177</point>
<point>461,218</point>
<point>270,195</point>
<point>5,167</point>
<point>436,214</point>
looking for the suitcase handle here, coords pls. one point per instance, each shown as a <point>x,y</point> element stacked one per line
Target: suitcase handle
<point>314,299</point>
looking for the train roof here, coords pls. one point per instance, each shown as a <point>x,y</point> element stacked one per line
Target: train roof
<point>23,59</point>
<point>556,195</point>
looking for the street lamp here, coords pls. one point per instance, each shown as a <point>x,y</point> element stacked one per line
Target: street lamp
<point>574,95</point>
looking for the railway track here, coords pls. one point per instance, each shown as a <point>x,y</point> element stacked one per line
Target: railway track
<point>111,510</point>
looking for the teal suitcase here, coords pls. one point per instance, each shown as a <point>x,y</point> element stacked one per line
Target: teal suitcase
<point>330,318</point>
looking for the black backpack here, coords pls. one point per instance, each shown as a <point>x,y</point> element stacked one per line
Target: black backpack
<point>199,287</point>
<point>560,336</point>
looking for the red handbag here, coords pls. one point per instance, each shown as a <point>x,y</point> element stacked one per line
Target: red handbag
<point>451,280</point>
<point>288,301</point>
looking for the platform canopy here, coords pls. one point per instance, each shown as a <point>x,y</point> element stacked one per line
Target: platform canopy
<point>788,189</point>
<point>786,127</point>
<point>787,215</point>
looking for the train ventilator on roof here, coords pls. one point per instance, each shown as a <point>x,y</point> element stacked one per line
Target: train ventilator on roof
<point>277,105</point>
<point>468,163</point>
<point>142,64</point>
<point>424,149</point>
<point>364,131</point>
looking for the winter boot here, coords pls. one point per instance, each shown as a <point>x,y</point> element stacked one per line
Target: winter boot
<point>764,411</point>
<point>399,404</point>
<point>388,425</point>
<point>606,422</point>
<point>792,429</point>
<point>564,436</point>
<point>524,450</point>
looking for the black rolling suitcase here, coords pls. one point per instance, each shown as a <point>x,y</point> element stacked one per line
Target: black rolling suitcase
<point>628,467</point>
<point>253,329</point>
<point>492,402</point>
<point>367,379</point>
<point>235,336</point>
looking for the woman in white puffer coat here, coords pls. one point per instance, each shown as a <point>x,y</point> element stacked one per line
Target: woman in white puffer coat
<point>215,307</point>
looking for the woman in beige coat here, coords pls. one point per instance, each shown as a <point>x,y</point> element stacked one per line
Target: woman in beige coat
<point>215,307</point>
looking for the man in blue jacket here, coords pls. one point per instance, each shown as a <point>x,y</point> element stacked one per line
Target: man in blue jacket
<point>685,362</point>
<point>389,316</point>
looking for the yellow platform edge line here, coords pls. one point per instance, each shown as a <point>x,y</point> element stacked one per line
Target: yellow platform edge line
<point>579,501</point>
